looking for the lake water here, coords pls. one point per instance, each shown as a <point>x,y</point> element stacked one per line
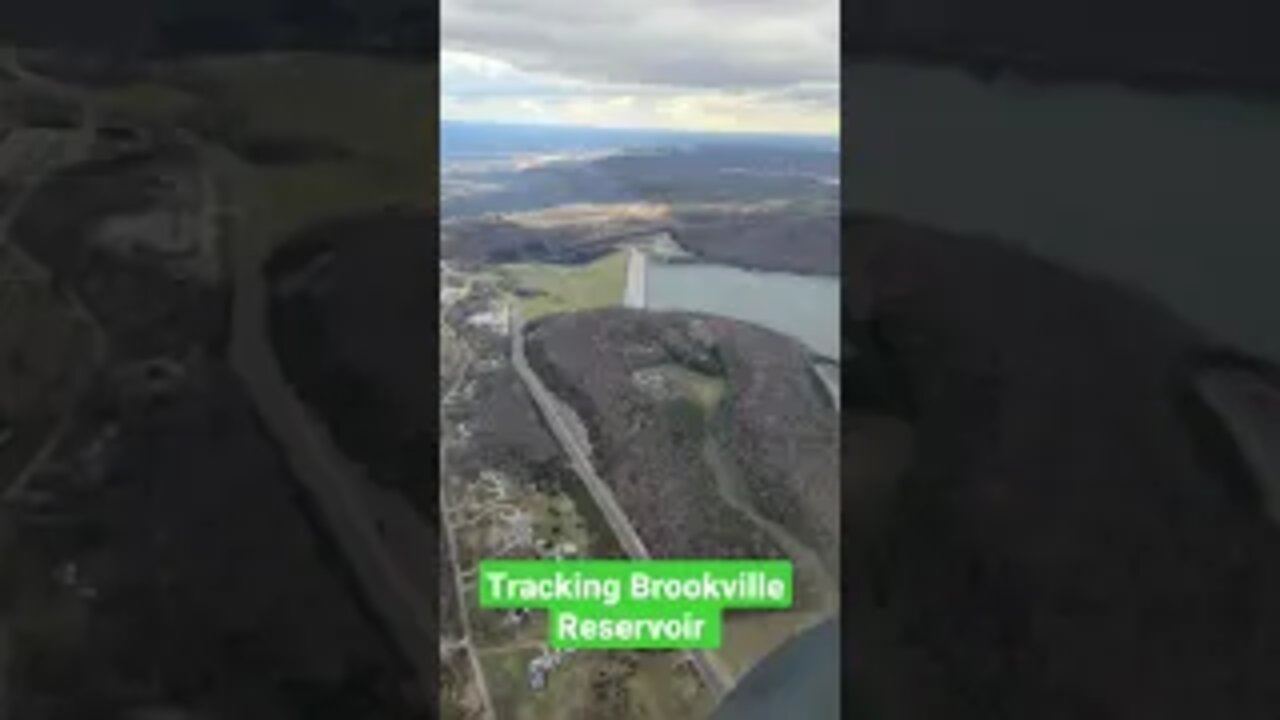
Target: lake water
<point>1173,194</point>
<point>806,307</point>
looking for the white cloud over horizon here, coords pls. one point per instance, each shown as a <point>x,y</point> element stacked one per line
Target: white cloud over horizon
<point>713,65</point>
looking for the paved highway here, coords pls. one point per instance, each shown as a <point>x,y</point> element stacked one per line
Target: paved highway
<point>637,279</point>
<point>579,459</point>
<point>402,596</point>
<point>332,480</point>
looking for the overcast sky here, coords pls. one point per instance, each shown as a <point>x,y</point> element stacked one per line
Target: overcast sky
<point>747,65</point>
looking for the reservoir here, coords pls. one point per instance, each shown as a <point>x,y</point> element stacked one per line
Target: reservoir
<point>1170,193</point>
<point>806,307</point>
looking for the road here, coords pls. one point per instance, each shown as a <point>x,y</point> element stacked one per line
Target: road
<point>579,460</point>
<point>35,154</point>
<point>332,480</point>
<point>463,613</point>
<point>334,483</point>
<point>446,524</point>
<point>637,279</point>
<point>807,561</point>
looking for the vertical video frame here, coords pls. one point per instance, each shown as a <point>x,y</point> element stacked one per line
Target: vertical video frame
<point>639,359</point>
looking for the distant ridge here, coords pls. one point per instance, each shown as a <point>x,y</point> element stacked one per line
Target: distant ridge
<point>472,138</point>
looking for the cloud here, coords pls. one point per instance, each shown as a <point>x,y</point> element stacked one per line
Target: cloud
<point>673,42</point>
<point>717,64</point>
<point>466,74</point>
<point>705,110</point>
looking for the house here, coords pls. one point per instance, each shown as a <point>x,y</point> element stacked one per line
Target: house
<point>541,666</point>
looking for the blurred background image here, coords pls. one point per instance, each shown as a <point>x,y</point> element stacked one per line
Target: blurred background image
<point>1061,436</point>
<point>216,402</point>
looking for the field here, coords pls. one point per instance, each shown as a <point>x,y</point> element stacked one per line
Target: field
<point>38,108</point>
<point>702,389</point>
<point>549,289</point>
<point>148,102</point>
<point>489,519</point>
<point>382,128</point>
<point>490,630</point>
<point>589,220</point>
<point>624,686</point>
<point>321,136</point>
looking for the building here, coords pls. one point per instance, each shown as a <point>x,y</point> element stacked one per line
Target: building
<point>541,666</point>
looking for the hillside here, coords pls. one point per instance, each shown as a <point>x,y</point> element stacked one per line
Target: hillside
<point>350,319</point>
<point>1070,533</point>
<point>655,389</point>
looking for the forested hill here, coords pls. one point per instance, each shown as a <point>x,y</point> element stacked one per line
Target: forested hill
<point>169,27</point>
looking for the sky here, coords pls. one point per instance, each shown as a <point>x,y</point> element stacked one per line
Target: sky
<point>706,65</point>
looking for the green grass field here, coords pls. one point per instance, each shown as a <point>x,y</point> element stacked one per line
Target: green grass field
<point>556,519</point>
<point>489,629</point>
<point>148,102</point>
<point>378,108</point>
<point>569,288</point>
<point>704,390</point>
<point>652,689</point>
<point>375,111</point>
<point>506,675</point>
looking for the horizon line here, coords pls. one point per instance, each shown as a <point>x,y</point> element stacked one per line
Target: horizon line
<point>634,128</point>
